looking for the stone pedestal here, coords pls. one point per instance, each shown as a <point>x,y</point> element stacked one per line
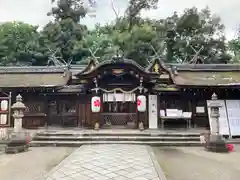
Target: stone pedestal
<point>141,126</point>
<point>216,142</point>
<point>18,143</point>
<point>96,126</point>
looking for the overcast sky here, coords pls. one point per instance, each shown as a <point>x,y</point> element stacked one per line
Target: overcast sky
<point>34,11</point>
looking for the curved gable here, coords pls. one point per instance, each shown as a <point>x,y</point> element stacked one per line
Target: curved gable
<point>116,64</point>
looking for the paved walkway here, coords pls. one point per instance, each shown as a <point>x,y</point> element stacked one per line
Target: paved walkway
<point>105,162</point>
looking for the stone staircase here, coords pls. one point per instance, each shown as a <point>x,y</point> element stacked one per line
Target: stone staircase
<point>76,139</point>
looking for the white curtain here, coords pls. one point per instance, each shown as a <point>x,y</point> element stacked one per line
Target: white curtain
<point>119,97</point>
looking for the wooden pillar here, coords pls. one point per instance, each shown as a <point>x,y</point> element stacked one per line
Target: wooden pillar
<point>46,119</point>
<point>145,115</point>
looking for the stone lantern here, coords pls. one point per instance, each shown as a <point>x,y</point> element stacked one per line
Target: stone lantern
<point>19,141</point>
<point>216,142</point>
<point>18,108</point>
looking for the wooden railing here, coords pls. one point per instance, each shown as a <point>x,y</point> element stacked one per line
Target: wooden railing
<point>118,118</point>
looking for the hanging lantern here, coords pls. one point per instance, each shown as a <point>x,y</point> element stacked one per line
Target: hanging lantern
<point>4,105</point>
<point>96,104</point>
<point>141,103</point>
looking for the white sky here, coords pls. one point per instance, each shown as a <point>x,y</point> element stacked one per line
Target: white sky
<point>34,11</point>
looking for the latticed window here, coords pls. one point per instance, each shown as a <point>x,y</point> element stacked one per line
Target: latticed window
<point>34,107</point>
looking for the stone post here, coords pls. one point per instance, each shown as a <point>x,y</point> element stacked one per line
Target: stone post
<point>216,142</point>
<point>18,108</point>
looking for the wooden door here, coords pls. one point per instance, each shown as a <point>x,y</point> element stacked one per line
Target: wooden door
<point>84,115</point>
<point>89,117</point>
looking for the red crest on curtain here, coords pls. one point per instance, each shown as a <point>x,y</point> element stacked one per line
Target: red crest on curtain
<point>141,103</point>
<point>96,104</point>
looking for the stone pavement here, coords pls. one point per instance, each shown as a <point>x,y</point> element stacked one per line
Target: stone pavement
<point>105,162</point>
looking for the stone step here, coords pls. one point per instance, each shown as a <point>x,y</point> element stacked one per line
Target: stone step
<point>114,138</point>
<point>79,143</point>
<point>135,134</point>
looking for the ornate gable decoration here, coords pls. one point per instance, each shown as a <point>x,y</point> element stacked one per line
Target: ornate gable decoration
<point>157,66</point>
<point>91,65</point>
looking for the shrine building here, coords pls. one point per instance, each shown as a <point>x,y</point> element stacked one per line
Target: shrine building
<point>121,94</point>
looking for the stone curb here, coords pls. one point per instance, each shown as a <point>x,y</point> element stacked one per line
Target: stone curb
<point>51,172</point>
<point>157,166</point>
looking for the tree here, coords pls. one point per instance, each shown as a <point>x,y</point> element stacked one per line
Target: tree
<point>135,7</point>
<point>18,43</point>
<point>180,37</point>
<point>138,44</point>
<point>68,9</point>
<point>65,32</point>
<point>95,44</point>
<point>195,30</point>
<point>134,36</point>
<point>234,47</point>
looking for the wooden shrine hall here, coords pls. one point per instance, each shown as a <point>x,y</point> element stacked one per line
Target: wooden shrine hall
<point>120,93</point>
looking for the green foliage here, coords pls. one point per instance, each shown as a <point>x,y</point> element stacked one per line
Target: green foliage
<point>195,30</point>
<point>135,7</point>
<point>18,43</point>
<point>68,9</point>
<point>65,33</point>
<point>177,37</point>
<point>234,47</point>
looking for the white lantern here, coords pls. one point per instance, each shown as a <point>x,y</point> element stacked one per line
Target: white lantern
<point>4,105</point>
<point>3,119</point>
<point>96,104</point>
<point>141,103</point>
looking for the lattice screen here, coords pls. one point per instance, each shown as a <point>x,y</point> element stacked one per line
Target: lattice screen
<point>34,107</point>
<point>67,106</point>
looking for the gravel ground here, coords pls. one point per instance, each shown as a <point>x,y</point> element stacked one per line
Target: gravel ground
<point>193,163</point>
<point>31,165</point>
